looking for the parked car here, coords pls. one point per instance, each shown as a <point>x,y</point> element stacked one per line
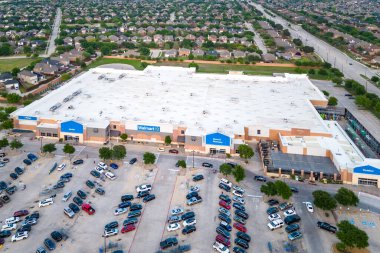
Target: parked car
<point>90,184</point>
<point>194,188</point>
<point>326,226</point>
<point>191,194</point>
<point>20,236</point>
<point>225,241</point>
<point>127,197</point>
<point>289,212</point>
<point>114,166</point>
<point>95,173</point>
<point>78,201</point>
<point>67,175</point>
<point>110,175</point>
<point>31,221</point>
<point>173,226</point>
<point>19,170</point>
<point>194,200</point>
<point>294,189</point>
<point>32,157</point>
<point>81,194</point>
<point>188,229</point>
<point>34,215</point>
<point>112,224</point>
<point>260,178</point>
<point>238,199</point>
<point>242,214</point>
<point>133,214</point>
<point>223,232</point>
<point>14,176</point>
<point>309,207</point>
<point>188,215</point>
<point>5,233</point>
<point>119,211</point>
<point>275,224</point>
<point>292,228</point>
<point>69,212</point>
<point>88,209</point>
<point>130,221</point>
<point>225,198</point>
<point>237,249</point>
<point>78,162</point>
<point>238,193</point>
<point>100,191</point>
<point>224,204</point>
<point>295,235</point>
<point>67,196</point>
<point>110,232</point>
<point>221,248</point>
<point>74,207</point>
<point>49,244</point>
<point>292,219</point>
<point>125,204</point>
<point>41,250</point>
<point>224,187</point>
<point>242,243</point>
<point>143,187</point>
<point>20,213</point>
<point>169,242</point>
<point>224,218</point>
<point>285,205</point>
<point>148,198</point>
<point>173,151</point>
<point>198,177</point>
<point>12,220</point>
<point>57,236</point>
<point>135,207</point>
<point>27,161</point>
<point>176,211</point>
<point>128,228</point>
<point>207,165</point>
<point>174,219</point>
<point>273,202</point>
<point>224,210</point>
<point>225,225</point>
<point>3,185</point>
<point>46,202</point>
<point>243,236</point>
<point>61,166</point>
<point>272,210</point>
<point>133,161</point>
<point>143,194</point>
<point>240,227</point>
<point>240,219</point>
<point>238,206</point>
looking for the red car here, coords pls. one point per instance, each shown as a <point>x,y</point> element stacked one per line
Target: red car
<point>173,151</point>
<point>21,213</point>
<point>128,228</point>
<point>223,240</point>
<point>240,227</point>
<point>224,204</point>
<point>88,209</point>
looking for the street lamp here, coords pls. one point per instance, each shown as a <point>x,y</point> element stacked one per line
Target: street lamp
<point>41,144</point>
<point>193,159</point>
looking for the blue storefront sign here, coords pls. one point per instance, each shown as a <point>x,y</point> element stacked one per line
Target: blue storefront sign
<point>218,139</point>
<point>145,128</point>
<point>27,118</point>
<point>368,169</point>
<point>72,127</point>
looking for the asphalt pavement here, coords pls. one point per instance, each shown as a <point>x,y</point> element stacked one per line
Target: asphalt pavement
<point>257,38</point>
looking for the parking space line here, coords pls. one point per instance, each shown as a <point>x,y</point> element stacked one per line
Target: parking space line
<point>170,203</point>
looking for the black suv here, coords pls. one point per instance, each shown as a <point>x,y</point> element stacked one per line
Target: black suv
<point>243,236</point>
<point>77,162</point>
<point>113,224</point>
<point>273,202</point>
<point>135,207</point>
<point>191,194</point>
<point>197,178</point>
<point>260,178</point>
<point>19,171</point>
<point>242,243</point>
<point>188,230</point>
<point>78,201</point>
<point>172,241</point>
<point>90,184</point>
<point>57,236</point>
<point>188,215</point>
<point>326,226</point>
<point>133,161</point>
<point>225,198</point>
<point>74,207</point>
<point>82,194</point>
<point>224,187</point>
<point>242,214</point>
<point>127,197</point>
<point>207,165</point>
<point>292,219</point>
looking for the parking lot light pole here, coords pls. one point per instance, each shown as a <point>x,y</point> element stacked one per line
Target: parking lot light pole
<point>193,159</point>
<point>41,144</point>
<point>105,244</point>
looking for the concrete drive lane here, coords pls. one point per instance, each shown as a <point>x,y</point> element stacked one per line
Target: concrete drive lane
<point>153,220</point>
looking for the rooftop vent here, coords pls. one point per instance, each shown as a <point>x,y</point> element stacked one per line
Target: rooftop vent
<point>76,93</point>
<point>148,94</point>
<point>70,107</point>
<point>121,76</point>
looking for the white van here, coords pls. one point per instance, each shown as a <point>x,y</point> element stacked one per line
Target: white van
<point>67,196</point>
<point>226,182</point>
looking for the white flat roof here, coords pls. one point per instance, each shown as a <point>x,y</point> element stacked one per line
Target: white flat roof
<point>203,103</point>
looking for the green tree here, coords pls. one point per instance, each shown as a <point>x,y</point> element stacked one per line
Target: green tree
<point>119,152</point>
<point>68,149</point>
<point>346,197</point>
<point>324,200</point>
<point>105,50</point>
<point>283,189</point>
<point>375,79</point>
<point>4,143</point>
<point>333,101</point>
<point>181,163</point>
<point>123,136</point>
<point>326,93</point>
<point>7,124</point>
<point>238,173</point>
<point>225,169</point>
<point>307,49</point>
<point>105,153</point>
<point>194,65</point>
<point>13,98</point>
<point>144,64</point>
<point>149,158</point>
<point>16,144</point>
<point>351,236</point>
<point>15,71</point>
<point>269,189</point>
<point>144,51</point>
<point>245,151</point>
<point>49,148</point>
<point>168,140</point>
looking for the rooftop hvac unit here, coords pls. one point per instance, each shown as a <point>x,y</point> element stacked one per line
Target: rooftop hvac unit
<point>70,107</point>
<point>76,93</point>
<point>121,76</point>
<point>68,98</point>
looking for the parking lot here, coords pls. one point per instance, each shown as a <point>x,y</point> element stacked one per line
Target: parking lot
<point>170,185</point>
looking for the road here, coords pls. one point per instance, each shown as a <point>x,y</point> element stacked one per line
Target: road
<point>55,32</point>
<point>349,67</point>
<point>257,38</point>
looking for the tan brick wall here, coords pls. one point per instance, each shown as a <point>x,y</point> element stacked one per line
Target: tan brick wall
<point>319,102</point>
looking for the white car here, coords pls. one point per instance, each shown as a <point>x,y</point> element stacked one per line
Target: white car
<point>102,165</point>
<point>110,175</point>
<point>289,212</point>
<point>224,210</point>
<point>194,188</point>
<point>309,207</point>
<point>6,226</point>
<point>238,199</point>
<point>238,193</point>
<point>12,220</point>
<point>61,166</point>
<point>274,216</point>
<point>120,211</point>
<point>20,236</point>
<point>275,224</point>
<point>143,187</point>
<point>173,227</point>
<point>98,169</point>
<point>188,222</point>
<point>226,182</point>
<point>238,188</point>
<point>176,211</point>
<point>220,248</point>
<point>67,196</point>
<point>110,232</point>
<point>160,149</point>
<point>46,202</point>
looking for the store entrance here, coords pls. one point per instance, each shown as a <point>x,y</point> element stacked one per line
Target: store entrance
<point>366,181</point>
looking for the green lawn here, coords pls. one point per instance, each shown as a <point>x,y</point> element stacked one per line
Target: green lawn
<point>102,61</point>
<point>9,64</point>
